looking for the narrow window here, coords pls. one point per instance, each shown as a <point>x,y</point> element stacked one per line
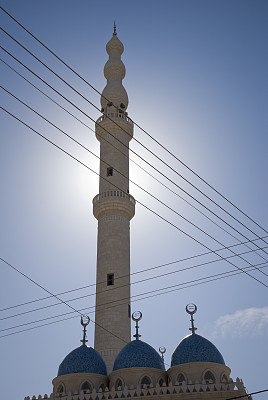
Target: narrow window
<point>209,377</point>
<point>110,279</point>
<point>102,388</point>
<point>110,171</point>
<point>118,384</point>
<point>161,382</point>
<point>60,389</point>
<point>146,381</point>
<point>86,387</point>
<point>181,378</point>
<point>129,311</point>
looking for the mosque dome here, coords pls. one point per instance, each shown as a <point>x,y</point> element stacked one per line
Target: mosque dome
<point>83,359</point>
<point>138,354</point>
<point>195,348</point>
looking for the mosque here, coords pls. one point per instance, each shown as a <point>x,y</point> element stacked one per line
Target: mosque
<point>118,367</point>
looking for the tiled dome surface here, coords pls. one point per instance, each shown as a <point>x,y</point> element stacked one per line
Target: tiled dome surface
<point>138,354</point>
<point>195,348</point>
<point>83,359</point>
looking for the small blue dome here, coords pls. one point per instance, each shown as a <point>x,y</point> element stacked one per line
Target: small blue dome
<point>83,359</point>
<point>195,348</point>
<point>138,354</point>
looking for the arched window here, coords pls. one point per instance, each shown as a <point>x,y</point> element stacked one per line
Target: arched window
<point>209,377</point>
<point>60,389</point>
<point>146,381</point>
<point>118,384</point>
<point>224,378</point>
<point>181,378</point>
<point>161,382</point>
<point>102,388</point>
<point>86,387</point>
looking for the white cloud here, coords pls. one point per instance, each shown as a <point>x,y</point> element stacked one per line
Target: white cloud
<point>243,323</point>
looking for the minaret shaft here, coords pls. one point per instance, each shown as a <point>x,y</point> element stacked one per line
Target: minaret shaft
<point>113,207</point>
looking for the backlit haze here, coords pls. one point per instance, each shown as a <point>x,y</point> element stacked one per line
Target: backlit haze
<point>196,77</point>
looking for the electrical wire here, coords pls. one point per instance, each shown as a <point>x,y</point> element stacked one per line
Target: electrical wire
<point>176,288</point>
<point>68,305</point>
<point>146,191</point>
<point>118,287</point>
<point>148,208</point>
<point>151,137</point>
<point>127,275</point>
<point>122,129</point>
<point>248,394</point>
<point>126,145</point>
<point>151,175</point>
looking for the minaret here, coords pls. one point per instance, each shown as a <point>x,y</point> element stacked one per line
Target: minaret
<point>113,207</point>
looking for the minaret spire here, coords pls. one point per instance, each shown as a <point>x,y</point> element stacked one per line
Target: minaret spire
<point>113,207</point>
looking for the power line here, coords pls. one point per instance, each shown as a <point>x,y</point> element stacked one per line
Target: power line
<point>151,137</point>
<point>75,310</point>
<point>192,283</point>
<point>151,175</point>
<point>48,97</point>
<point>118,287</point>
<point>134,273</point>
<point>148,208</point>
<point>140,187</point>
<point>127,146</point>
<point>113,121</point>
<point>248,394</point>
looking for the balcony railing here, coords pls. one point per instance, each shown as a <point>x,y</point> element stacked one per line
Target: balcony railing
<point>115,115</point>
<point>113,193</point>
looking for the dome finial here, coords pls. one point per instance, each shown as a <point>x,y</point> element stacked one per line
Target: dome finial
<point>162,351</point>
<point>114,34</point>
<point>84,322</point>
<point>191,309</point>
<point>137,316</point>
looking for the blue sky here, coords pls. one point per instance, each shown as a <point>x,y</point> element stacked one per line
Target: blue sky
<point>197,82</point>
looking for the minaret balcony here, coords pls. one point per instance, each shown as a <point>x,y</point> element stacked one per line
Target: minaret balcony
<point>115,115</point>
<point>114,200</point>
<point>116,124</point>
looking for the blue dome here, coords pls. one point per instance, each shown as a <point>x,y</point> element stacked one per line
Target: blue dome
<point>138,354</point>
<point>83,359</point>
<point>195,348</point>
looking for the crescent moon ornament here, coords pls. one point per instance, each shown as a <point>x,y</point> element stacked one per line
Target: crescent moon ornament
<point>137,316</point>
<point>191,308</point>
<point>85,320</point>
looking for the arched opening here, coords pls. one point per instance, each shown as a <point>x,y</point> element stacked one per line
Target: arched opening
<point>209,377</point>
<point>118,384</point>
<point>224,378</point>
<point>146,381</point>
<point>102,388</point>
<point>161,382</point>
<point>86,387</point>
<point>60,389</point>
<point>180,379</point>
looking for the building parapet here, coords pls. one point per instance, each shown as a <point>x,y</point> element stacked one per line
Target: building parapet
<point>175,392</point>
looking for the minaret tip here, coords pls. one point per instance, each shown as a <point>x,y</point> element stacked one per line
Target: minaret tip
<point>114,34</point>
